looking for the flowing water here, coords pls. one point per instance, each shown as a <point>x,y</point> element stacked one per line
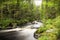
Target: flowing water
<point>25,34</point>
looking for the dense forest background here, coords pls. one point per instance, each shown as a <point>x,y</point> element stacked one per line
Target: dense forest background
<point>17,12</point>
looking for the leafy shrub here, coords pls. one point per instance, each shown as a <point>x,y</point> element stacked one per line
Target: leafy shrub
<point>50,24</point>
<point>5,22</point>
<point>56,23</point>
<point>43,38</point>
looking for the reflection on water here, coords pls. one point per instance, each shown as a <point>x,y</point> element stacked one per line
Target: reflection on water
<point>26,34</point>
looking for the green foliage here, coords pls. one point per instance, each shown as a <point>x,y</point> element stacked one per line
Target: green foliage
<point>56,22</point>
<point>49,36</point>
<point>43,38</point>
<point>50,16</point>
<point>18,11</point>
<point>5,22</point>
<point>51,30</point>
<point>50,9</point>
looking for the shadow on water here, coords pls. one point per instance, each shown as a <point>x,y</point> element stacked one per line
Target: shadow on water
<point>11,36</point>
